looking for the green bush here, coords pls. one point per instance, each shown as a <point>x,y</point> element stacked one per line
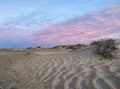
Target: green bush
<point>106,47</point>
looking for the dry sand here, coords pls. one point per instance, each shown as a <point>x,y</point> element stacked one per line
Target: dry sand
<point>58,69</point>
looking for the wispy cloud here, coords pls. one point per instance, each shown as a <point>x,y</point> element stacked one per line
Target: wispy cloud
<point>14,38</point>
<point>82,29</point>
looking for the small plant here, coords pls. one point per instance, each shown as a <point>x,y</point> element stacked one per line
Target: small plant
<point>106,47</point>
<point>71,47</point>
<point>96,42</point>
<point>29,48</point>
<point>38,47</point>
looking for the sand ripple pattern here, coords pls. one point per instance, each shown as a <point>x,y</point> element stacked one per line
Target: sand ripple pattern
<point>66,71</point>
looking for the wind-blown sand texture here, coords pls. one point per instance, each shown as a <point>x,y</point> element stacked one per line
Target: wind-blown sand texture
<point>58,69</point>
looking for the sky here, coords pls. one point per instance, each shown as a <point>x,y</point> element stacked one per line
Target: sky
<point>30,23</point>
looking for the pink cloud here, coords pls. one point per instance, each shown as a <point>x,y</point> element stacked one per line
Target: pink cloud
<point>78,30</point>
<point>66,34</point>
<point>93,26</point>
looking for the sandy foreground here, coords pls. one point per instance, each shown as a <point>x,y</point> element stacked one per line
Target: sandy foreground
<point>58,69</point>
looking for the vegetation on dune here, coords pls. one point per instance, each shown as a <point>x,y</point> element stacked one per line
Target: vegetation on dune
<point>73,47</point>
<point>29,48</point>
<point>107,48</point>
<point>38,47</point>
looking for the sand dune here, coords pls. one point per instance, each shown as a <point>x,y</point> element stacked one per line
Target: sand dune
<point>80,69</point>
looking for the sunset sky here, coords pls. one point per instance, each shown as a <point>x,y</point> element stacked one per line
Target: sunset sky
<point>29,23</point>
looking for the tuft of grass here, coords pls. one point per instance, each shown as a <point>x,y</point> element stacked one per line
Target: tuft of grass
<point>107,48</point>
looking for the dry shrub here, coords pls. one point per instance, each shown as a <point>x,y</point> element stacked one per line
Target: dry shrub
<point>38,47</point>
<point>107,48</point>
<point>29,48</point>
<point>96,42</point>
<point>71,47</point>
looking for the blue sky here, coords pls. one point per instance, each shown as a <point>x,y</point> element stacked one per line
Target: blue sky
<point>14,8</point>
<point>29,17</point>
